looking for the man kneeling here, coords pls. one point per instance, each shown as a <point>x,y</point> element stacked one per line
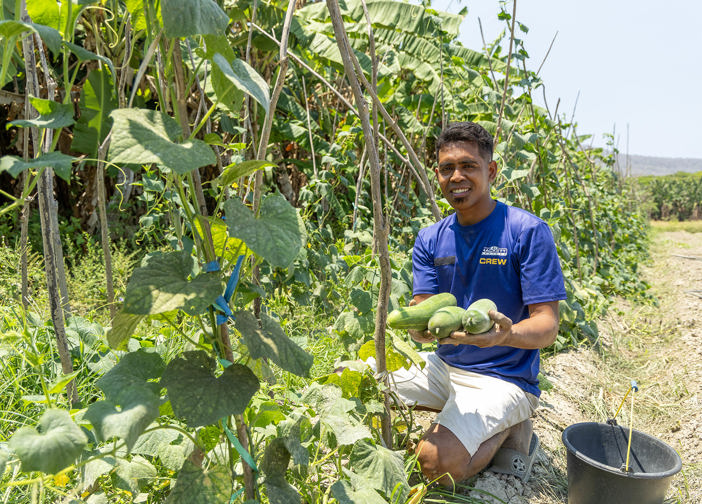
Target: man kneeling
<point>484,386</point>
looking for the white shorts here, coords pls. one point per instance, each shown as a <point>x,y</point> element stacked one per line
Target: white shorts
<point>472,406</point>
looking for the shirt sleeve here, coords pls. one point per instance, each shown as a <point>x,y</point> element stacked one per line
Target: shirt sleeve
<point>540,267</point>
<point>424,278</point>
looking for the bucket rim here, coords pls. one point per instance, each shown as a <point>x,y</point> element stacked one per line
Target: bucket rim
<point>616,471</point>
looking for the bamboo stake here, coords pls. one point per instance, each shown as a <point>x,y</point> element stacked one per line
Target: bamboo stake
<point>104,229</point>
<point>359,184</point>
<point>309,127</point>
<point>48,218</point>
<point>509,62</point>
<point>31,87</point>
<point>379,233</point>
<point>54,227</point>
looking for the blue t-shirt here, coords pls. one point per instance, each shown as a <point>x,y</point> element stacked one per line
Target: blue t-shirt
<point>509,257</point>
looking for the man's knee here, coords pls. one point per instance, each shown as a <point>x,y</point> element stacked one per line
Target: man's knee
<point>442,456</point>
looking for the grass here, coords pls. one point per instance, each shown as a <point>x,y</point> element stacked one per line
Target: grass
<point>643,342</point>
<point>694,226</point>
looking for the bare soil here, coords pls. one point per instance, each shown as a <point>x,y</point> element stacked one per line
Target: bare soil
<point>658,346</point>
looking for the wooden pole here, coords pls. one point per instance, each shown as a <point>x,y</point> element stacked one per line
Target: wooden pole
<point>380,237</point>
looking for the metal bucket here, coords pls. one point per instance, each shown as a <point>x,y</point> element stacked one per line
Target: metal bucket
<point>597,454</point>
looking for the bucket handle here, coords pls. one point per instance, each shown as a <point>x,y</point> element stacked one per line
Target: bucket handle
<point>613,421</point>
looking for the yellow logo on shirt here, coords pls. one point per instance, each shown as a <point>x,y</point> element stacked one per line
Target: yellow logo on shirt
<point>493,260</point>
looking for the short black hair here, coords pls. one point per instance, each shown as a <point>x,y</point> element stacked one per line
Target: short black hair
<point>466,131</point>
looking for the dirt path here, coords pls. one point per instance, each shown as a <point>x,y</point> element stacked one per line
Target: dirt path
<point>659,347</point>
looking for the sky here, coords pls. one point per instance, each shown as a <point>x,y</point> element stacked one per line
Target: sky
<point>625,65</point>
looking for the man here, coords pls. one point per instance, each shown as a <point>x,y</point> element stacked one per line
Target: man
<point>484,385</point>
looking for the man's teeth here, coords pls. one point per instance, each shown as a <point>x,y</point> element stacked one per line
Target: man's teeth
<point>459,190</point>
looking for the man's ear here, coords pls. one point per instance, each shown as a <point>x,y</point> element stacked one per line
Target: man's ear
<point>492,170</point>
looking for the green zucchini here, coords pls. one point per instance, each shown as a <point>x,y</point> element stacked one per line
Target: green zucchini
<point>476,319</point>
<point>446,320</point>
<point>417,316</point>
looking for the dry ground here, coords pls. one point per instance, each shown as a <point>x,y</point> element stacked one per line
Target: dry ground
<point>659,347</point>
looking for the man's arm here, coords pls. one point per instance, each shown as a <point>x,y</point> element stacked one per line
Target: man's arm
<point>537,331</point>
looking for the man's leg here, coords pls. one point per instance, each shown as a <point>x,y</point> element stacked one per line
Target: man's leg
<point>443,457</point>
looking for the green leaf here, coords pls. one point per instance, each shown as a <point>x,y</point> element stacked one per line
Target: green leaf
<point>61,382</point>
<point>94,123</point>
<point>61,163</point>
<point>530,189</point>
<point>274,465</point>
<point>123,326</point>
<point>382,468</point>
<point>277,235</point>
<point>80,330</point>
<point>53,445</point>
<point>271,342</point>
<point>226,248</point>
<point>196,486</point>
<point>245,78</point>
<point>362,300</point>
<point>408,351</point>
<point>52,115</point>
<point>227,95</point>
<point>394,360</point>
<point>11,28</point>
<point>511,174</point>
<point>96,467</point>
<point>334,410</point>
<point>201,398</point>
<point>4,457</point>
<point>354,326</point>
<point>234,171</point>
<point>134,369</point>
<point>136,14</point>
<point>133,475</point>
<point>162,285</point>
<point>185,18</point>
<point>141,136</point>
<point>138,407</point>
<point>169,445</point>
<point>289,431</point>
<point>84,55</point>
<point>345,493</point>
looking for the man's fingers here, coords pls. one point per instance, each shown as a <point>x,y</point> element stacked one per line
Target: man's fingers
<point>421,336</point>
<point>500,319</point>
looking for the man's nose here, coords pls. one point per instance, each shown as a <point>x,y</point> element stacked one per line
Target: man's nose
<point>457,174</point>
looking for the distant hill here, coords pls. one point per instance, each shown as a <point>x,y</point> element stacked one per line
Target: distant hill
<point>648,165</point>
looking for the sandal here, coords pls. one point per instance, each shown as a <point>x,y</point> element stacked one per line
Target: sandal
<point>516,463</point>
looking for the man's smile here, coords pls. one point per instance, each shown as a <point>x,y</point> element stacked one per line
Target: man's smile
<point>458,192</point>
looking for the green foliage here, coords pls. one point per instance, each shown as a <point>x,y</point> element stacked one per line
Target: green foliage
<point>249,294</point>
<point>671,197</point>
<point>52,446</point>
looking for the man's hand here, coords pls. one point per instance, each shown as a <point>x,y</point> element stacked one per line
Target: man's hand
<point>497,336</point>
<point>421,336</point>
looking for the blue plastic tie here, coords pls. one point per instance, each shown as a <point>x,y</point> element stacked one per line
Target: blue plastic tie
<point>212,267</point>
<point>222,302</point>
<point>634,386</point>
<point>236,495</point>
<point>245,455</point>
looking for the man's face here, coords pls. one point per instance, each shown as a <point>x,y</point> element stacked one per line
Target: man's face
<point>464,176</point>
